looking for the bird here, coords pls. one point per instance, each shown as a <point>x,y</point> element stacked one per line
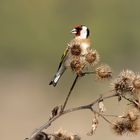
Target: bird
<point>76,50</point>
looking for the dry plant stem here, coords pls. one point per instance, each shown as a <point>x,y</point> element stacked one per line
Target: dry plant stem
<point>115,116</point>
<point>91,72</point>
<point>103,98</point>
<point>46,125</point>
<point>89,106</point>
<point>71,89</point>
<point>102,115</point>
<point>130,100</point>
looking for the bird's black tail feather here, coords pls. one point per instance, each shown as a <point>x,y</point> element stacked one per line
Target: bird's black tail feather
<point>57,76</point>
<point>53,83</point>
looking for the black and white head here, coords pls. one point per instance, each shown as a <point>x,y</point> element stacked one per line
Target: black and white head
<point>81,31</point>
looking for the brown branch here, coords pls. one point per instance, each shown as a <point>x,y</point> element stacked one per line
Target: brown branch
<point>115,116</point>
<point>89,106</point>
<point>103,116</point>
<point>71,89</point>
<point>90,72</point>
<point>130,100</point>
<point>103,98</point>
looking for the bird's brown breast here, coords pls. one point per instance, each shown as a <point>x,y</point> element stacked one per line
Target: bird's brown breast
<point>79,41</point>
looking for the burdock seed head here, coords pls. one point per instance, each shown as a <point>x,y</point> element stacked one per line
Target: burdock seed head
<point>136,84</point>
<point>123,83</point>
<point>76,50</point>
<point>126,126</point>
<point>119,127</point>
<point>64,135</point>
<point>104,71</point>
<point>132,115</point>
<point>61,134</point>
<point>77,66</point>
<point>41,136</point>
<point>127,75</point>
<point>92,57</point>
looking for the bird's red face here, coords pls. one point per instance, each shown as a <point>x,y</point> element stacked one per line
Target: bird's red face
<point>77,30</point>
<point>81,31</point>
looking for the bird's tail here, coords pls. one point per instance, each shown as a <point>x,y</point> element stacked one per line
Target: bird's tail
<point>57,76</point>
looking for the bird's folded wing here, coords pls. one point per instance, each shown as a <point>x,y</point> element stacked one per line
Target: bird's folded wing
<point>63,57</point>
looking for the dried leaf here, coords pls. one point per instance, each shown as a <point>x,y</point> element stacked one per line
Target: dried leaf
<point>119,98</point>
<point>56,110</point>
<point>101,106</point>
<point>93,127</point>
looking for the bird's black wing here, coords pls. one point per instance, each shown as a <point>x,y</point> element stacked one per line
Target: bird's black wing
<point>63,57</point>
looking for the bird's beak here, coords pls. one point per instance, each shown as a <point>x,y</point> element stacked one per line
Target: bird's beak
<point>73,31</point>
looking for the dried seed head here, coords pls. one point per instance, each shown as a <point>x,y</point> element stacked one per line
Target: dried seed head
<point>77,66</point>
<point>92,57</point>
<point>126,126</point>
<point>41,136</point>
<point>134,127</point>
<point>124,82</point>
<point>104,71</point>
<point>132,116</point>
<point>119,127</point>
<point>121,86</point>
<point>76,50</point>
<point>127,74</point>
<point>136,84</point>
<point>63,135</point>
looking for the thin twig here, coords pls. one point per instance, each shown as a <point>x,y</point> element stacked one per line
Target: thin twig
<point>46,125</point>
<point>90,72</point>
<point>70,91</point>
<point>102,117</point>
<point>103,98</point>
<point>116,116</point>
<point>89,106</point>
<point>131,100</point>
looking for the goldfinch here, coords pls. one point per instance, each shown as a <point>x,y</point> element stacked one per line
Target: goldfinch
<point>77,54</point>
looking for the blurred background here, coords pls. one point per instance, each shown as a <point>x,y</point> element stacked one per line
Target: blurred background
<point>33,35</point>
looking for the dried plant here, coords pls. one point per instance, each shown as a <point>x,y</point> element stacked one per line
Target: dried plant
<point>128,124</point>
<point>92,57</point>
<point>103,72</point>
<point>76,50</point>
<point>126,86</point>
